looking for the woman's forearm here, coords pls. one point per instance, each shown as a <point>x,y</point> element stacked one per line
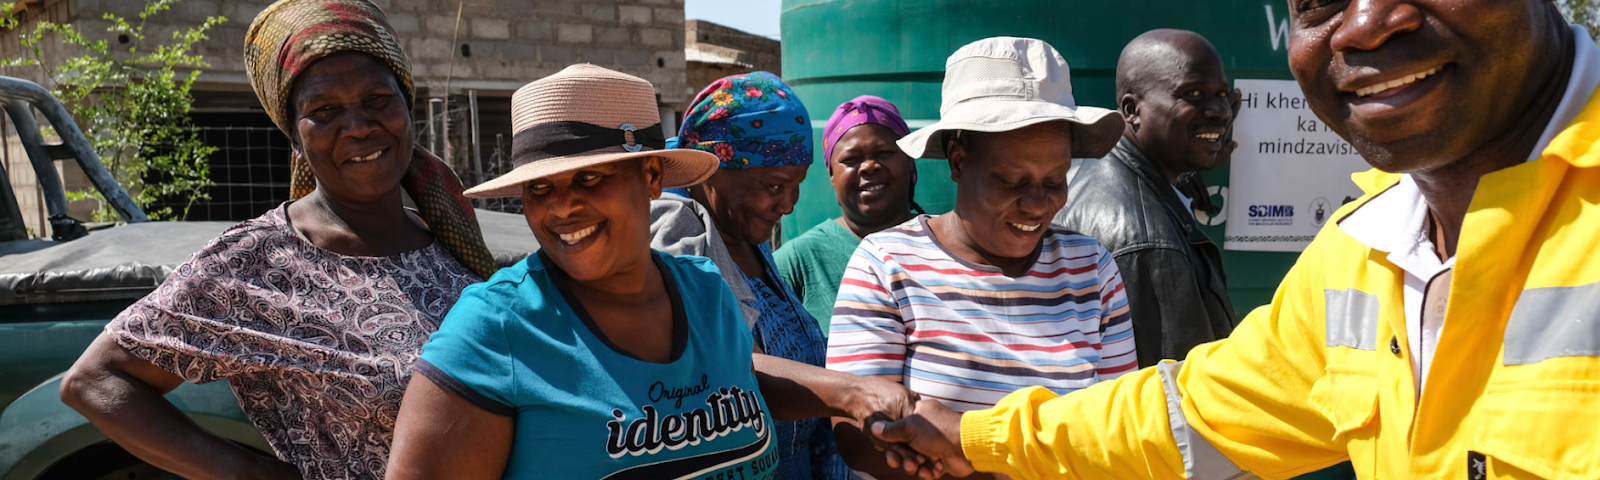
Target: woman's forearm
<point>796,391</point>
<point>123,396</point>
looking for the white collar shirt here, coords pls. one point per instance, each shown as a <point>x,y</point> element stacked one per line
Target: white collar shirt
<point>1188,203</point>
<point>1393,221</point>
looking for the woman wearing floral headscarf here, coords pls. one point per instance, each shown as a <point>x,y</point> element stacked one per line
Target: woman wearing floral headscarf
<point>761,134</point>
<point>315,311</point>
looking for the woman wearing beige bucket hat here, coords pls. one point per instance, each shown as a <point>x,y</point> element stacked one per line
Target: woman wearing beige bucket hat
<point>597,357</point>
<point>970,305</point>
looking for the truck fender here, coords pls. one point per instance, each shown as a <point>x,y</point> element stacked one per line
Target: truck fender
<point>38,430</point>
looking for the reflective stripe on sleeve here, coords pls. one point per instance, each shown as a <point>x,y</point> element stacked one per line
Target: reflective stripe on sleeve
<point>1352,318</point>
<point>1201,461</point>
<point>1553,322</point>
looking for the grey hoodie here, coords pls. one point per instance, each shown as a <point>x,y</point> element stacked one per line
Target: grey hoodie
<point>681,226</point>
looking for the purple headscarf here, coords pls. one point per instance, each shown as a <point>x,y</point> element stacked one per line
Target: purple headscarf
<point>860,110</point>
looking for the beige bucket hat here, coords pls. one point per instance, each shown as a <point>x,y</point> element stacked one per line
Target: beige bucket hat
<point>1002,84</point>
<point>587,115</point>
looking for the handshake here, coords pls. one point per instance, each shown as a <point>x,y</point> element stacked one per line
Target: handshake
<point>921,437</point>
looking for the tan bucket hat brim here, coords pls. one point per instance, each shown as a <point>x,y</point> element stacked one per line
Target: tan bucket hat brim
<point>1001,84</point>
<point>1095,131</point>
<point>680,168</point>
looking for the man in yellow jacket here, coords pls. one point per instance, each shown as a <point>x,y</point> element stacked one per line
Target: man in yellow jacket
<point>1447,325</point>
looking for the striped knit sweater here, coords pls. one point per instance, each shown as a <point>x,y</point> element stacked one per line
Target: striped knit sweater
<point>967,334</point>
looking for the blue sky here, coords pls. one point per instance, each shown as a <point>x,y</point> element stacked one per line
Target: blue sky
<point>759,17</point>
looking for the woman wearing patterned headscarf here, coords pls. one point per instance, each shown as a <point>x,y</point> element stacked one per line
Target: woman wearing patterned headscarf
<point>761,134</point>
<point>315,311</point>
<point>873,181</point>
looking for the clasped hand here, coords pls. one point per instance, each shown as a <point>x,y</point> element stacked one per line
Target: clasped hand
<point>925,443</point>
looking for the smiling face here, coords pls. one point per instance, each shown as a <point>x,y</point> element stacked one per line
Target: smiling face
<point>1415,85</point>
<point>1183,113</point>
<point>594,222</point>
<point>871,176</point>
<point>1009,186</point>
<point>746,203</point>
<point>353,126</point>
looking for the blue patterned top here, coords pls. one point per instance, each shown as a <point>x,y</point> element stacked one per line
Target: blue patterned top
<point>786,330</point>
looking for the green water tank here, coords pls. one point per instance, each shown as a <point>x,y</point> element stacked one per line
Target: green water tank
<point>834,50</point>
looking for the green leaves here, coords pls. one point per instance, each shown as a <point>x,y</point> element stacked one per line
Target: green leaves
<point>132,104</point>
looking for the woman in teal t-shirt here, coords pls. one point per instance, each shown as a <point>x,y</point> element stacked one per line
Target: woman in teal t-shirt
<point>600,358</point>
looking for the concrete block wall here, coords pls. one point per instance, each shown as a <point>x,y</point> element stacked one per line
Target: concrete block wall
<point>498,46</point>
<point>748,52</point>
<point>59,12</point>
<point>761,53</point>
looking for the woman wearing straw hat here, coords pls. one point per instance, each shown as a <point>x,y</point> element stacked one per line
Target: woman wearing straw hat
<point>968,306</point>
<point>315,311</point>
<point>598,357</point>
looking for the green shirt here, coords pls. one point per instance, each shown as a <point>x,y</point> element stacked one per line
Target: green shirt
<point>813,264</point>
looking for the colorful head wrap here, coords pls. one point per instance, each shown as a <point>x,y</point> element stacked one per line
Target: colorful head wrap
<point>860,110</point>
<point>289,36</point>
<point>750,120</point>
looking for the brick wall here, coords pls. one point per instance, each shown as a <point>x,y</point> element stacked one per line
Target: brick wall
<point>500,45</point>
<point>761,53</point>
<point>724,51</point>
<point>510,42</point>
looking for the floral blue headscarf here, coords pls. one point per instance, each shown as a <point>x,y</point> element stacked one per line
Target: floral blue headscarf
<point>749,120</point>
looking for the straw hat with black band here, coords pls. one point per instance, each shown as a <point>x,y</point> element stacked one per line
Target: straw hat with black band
<point>586,115</point>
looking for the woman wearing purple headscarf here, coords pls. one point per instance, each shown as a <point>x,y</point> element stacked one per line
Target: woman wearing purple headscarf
<point>873,181</point>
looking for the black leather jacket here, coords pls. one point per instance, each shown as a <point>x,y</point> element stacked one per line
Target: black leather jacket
<point>1177,292</point>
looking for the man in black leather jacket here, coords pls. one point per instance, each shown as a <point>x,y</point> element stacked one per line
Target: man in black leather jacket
<point>1178,108</point>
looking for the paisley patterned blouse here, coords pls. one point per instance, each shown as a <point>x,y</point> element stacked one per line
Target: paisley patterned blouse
<point>318,346</point>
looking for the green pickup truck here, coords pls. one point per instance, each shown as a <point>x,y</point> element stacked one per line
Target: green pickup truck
<point>57,294</point>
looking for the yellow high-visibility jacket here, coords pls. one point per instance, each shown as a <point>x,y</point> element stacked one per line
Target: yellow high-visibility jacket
<point>1323,374</point>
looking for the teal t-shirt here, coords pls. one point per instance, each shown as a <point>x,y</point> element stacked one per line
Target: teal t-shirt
<point>517,346</point>
<point>813,264</point>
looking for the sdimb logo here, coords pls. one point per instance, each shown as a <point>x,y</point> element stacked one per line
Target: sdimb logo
<point>1270,215</point>
<point>1259,211</point>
